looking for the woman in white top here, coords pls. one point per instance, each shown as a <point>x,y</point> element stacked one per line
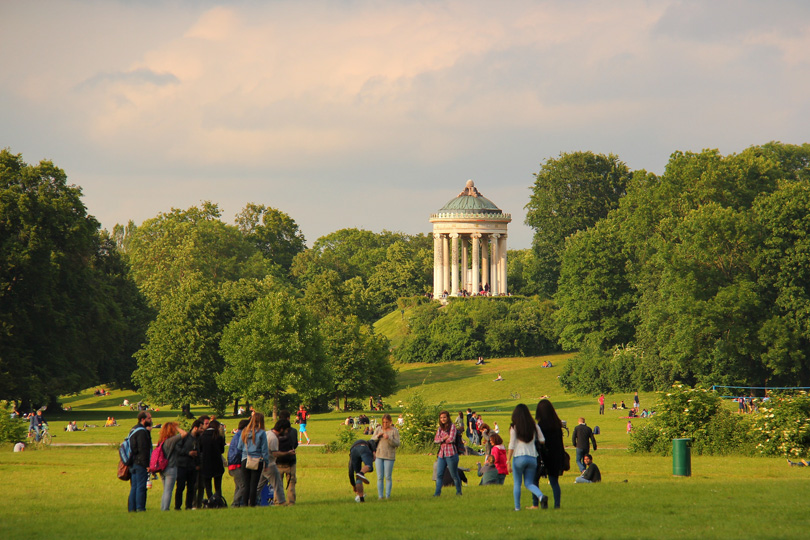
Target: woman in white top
<point>522,455</point>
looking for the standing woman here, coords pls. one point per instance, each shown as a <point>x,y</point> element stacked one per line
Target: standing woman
<point>170,435</point>
<point>551,426</point>
<point>387,437</point>
<point>212,445</point>
<point>447,457</point>
<point>522,455</point>
<point>253,444</point>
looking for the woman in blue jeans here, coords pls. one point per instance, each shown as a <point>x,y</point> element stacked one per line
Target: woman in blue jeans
<point>447,457</point>
<point>170,435</point>
<point>522,455</point>
<point>552,452</point>
<point>387,438</point>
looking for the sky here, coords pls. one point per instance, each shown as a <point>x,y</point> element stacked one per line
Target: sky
<point>374,114</point>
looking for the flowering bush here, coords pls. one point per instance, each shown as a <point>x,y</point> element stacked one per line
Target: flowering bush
<point>693,413</point>
<point>421,420</point>
<point>781,426</point>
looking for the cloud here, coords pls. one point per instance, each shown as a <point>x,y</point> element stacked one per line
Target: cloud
<point>133,77</point>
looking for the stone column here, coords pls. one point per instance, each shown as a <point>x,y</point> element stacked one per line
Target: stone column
<point>485,261</point>
<point>495,286</point>
<point>438,262</point>
<point>464,278</point>
<point>476,260</point>
<point>446,265</point>
<point>502,279</point>
<point>454,264</point>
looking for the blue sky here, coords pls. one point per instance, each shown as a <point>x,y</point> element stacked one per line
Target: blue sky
<point>374,114</point>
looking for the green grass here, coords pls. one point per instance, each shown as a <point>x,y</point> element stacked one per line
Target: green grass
<point>393,326</point>
<point>70,492</point>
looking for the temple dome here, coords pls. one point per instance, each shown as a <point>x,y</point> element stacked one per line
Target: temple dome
<point>470,201</point>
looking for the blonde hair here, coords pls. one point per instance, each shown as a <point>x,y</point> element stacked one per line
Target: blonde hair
<point>256,424</point>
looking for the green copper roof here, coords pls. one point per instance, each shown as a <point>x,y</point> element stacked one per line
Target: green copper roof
<point>470,201</point>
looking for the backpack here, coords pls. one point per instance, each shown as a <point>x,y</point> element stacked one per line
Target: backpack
<point>158,461</point>
<point>461,449</point>
<point>125,450</point>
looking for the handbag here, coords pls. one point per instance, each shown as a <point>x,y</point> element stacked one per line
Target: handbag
<point>253,463</point>
<point>566,461</point>
<point>123,471</point>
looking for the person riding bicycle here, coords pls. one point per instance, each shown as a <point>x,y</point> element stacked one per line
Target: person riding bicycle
<point>37,425</point>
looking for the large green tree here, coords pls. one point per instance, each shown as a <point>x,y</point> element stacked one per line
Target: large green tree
<point>174,247</point>
<point>69,315</point>
<point>273,232</point>
<point>570,194</point>
<point>273,349</point>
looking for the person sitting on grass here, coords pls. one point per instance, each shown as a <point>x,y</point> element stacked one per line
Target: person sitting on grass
<point>488,473</point>
<point>498,378</point>
<point>591,473</point>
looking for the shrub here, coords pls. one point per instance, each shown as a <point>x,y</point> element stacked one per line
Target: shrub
<point>344,441</point>
<point>11,429</point>
<point>420,424</point>
<point>682,412</point>
<point>781,426</point>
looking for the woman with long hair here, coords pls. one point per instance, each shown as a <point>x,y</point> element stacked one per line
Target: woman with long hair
<point>447,457</point>
<point>387,437</point>
<point>170,435</point>
<point>212,445</point>
<point>499,453</point>
<point>522,455</point>
<point>253,444</point>
<point>552,454</point>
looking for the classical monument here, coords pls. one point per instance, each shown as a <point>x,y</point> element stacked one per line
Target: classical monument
<point>469,246</point>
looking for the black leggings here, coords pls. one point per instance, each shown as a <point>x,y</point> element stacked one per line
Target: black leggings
<point>251,483</point>
<point>217,486</point>
<point>185,481</point>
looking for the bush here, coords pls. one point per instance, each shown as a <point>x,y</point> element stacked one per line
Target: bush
<point>12,430</point>
<point>781,426</point>
<point>683,413</point>
<point>421,419</point>
<point>344,441</point>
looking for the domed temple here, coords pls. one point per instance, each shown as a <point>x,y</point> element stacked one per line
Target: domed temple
<point>469,246</point>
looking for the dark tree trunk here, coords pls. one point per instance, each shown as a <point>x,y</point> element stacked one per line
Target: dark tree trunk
<point>236,407</point>
<point>186,411</point>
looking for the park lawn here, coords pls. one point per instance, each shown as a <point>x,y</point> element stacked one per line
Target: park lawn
<point>73,493</point>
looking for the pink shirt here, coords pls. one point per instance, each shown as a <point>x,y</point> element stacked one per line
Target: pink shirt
<point>447,449</point>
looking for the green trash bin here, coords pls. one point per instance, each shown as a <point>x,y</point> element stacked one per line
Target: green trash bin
<point>681,457</point>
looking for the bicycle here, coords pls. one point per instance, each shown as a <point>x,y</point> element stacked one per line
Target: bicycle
<point>514,395</point>
<point>44,437</point>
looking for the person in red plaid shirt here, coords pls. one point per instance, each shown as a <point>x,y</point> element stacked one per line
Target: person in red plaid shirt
<point>447,457</point>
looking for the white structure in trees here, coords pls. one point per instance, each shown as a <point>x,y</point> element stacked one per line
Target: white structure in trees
<point>469,246</point>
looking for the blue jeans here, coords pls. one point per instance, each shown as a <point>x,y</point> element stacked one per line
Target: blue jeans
<point>137,490</point>
<point>580,480</point>
<point>554,482</point>
<point>451,464</point>
<point>581,454</point>
<point>385,467</point>
<point>523,469</point>
<point>169,478</point>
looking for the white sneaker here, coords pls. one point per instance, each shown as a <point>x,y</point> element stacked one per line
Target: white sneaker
<point>357,498</point>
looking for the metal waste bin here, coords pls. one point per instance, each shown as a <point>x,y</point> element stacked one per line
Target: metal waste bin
<point>681,457</point>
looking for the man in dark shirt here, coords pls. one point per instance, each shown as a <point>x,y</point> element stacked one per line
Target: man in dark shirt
<point>591,473</point>
<point>581,439</point>
<point>141,442</point>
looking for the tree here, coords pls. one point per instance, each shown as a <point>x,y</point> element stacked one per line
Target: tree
<point>358,359</point>
<point>181,358</point>
<point>67,309</point>
<point>273,232</point>
<point>183,244</point>
<point>570,194</point>
<point>274,348</point>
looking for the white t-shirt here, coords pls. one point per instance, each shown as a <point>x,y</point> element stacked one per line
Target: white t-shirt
<point>520,448</point>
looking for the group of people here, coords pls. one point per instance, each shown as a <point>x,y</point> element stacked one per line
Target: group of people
<point>192,477</point>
